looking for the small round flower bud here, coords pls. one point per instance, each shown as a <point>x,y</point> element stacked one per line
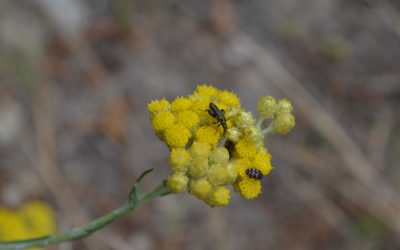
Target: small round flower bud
<point>245,148</point>
<point>267,106</point>
<point>245,119</point>
<point>179,160</point>
<point>228,98</point>
<point>262,161</point>
<point>220,196</point>
<point>207,134</point>
<point>248,187</point>
<point>177,183</point>
<point>158,106</point>
<point>181,103</point>
<point>233,111</point>
<point>232,173</point>
<point>241,166</point>
<point>200,188</point>
<point>284,106</point>
<point>200,104</point>
<point>233,134</point>
<point>199,149</point>
<point>187,118</point>
<point>162,120</point>
<point>207,90</point>
<point>217,174</point>
<point>199,167</point>
<point>176,135</point>
<point>284,123</point>
<point>218,155</point>
<point>254,134</point>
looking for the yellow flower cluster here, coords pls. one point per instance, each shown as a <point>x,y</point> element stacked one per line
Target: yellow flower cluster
<point>34,219</point>
<point>213,142</point>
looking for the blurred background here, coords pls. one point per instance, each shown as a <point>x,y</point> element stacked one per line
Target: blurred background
<point>76,77</point>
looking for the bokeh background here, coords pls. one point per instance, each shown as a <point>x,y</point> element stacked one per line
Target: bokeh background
<point>76,77</point>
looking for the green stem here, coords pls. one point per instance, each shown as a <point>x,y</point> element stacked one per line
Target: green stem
<point>91,227</point>
<point>270,130</point>
<point>259,122</point>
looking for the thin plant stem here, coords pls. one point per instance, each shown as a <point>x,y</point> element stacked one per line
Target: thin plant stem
<point>259,122</point>
<point>270,130</point>
<point>91,227</point>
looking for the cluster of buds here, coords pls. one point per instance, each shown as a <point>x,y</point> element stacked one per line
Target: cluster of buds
<point>279,111</point>
<point>214,143</point>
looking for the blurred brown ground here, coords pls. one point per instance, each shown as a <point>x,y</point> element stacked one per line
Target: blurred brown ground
<point>76,77</point>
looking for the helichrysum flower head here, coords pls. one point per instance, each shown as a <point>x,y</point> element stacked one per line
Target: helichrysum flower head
<point>157,106</point>
<point>267,106</point>
<point>284,106</point>
<point>162,120</point>
<point>179,160</point>
<point>214,142</point>
<point>180,104</point>
<point>284,123</point>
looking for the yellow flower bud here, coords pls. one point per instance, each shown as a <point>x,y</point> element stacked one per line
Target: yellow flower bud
<point>245,148</point>
<point>208,135</point>
<point>241,166</point>
<point>198,167</point>
<point>158,105</point>
<point>179,160</point>
<point>207,90</point>
<point>254,134</point>
<point>245,119</point>
<point>177,182</point>
<point>262,162</point>
<point>267,106</point>
<point>284,123</point>
<point>176,135</point>
<point>217,175</point>
<point>200,188</point>
<point>233,134</point>
<point>199,149</point>
<point>220,196</point>
<point>228,98</point>
<point>187,118</point>
<point>248,187</point>
<point>218,155</point>
<point>232,173</point>
<point>232,111</point>
<point>162,120</point>
<point>180,104</point>
<point>284,106</point>
<point>200,105</point>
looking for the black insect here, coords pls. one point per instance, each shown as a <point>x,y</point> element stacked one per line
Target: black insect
<point>218,114</point>
<point>230,146</point>
<point>254,173</point>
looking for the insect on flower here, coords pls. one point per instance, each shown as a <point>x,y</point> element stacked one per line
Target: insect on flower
<point>254,173</point>
<point>230,146</point>
<point>218,114</point>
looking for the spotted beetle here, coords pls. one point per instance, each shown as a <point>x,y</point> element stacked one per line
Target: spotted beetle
<point>254,173</point>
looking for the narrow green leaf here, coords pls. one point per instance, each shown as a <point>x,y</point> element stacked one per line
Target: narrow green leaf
<point>148,171</point>
<point>135,193</point>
